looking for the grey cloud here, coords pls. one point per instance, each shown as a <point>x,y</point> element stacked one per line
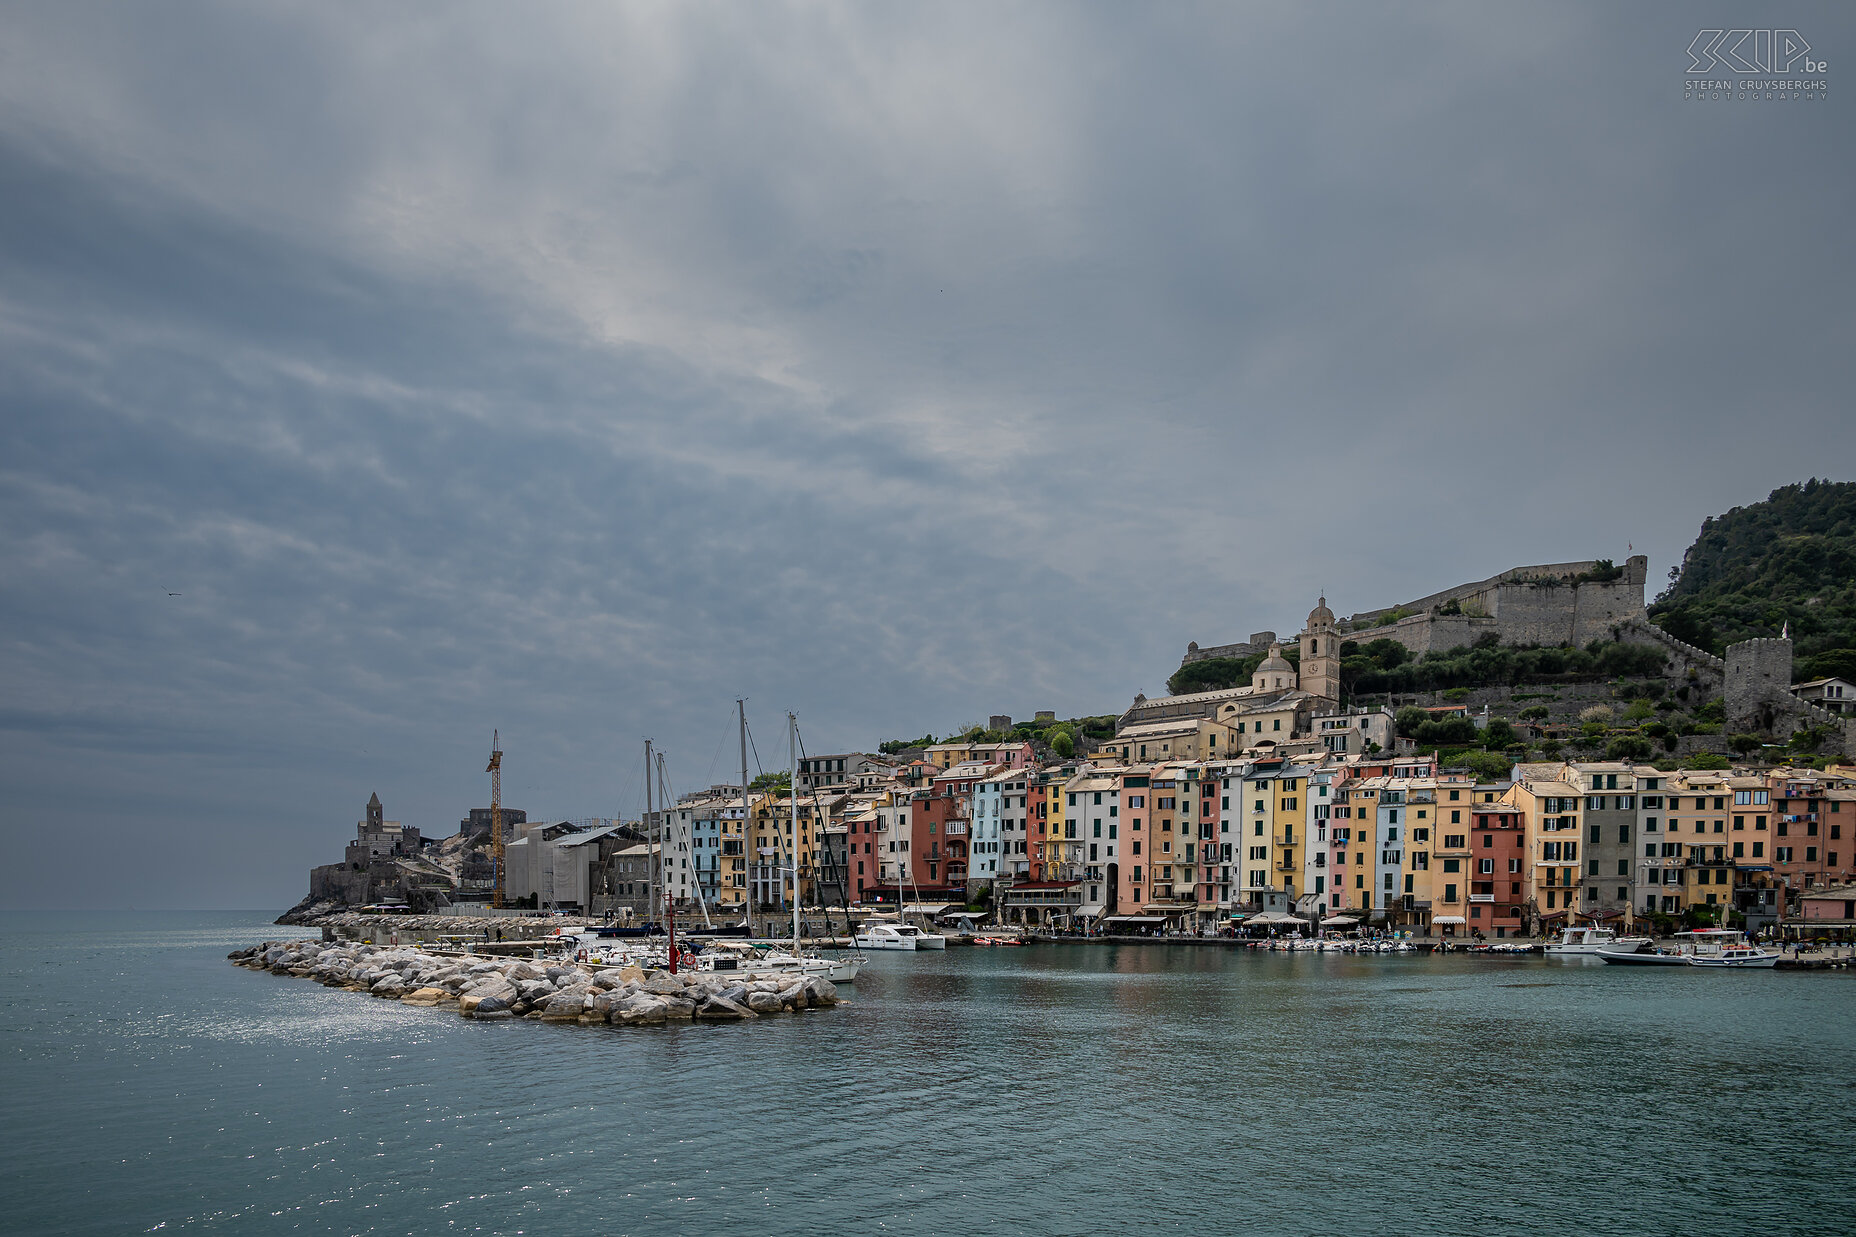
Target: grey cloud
<point>574,372</point>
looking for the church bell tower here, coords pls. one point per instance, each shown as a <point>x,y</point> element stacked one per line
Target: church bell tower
<point>1320,670</point>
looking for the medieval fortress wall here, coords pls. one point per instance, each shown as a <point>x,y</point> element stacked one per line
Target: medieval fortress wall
<point>1545,604</point>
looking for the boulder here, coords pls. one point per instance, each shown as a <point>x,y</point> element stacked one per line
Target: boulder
<point>765,1002</point>
<point>523,970</point>
<point>794,997</point>
<point>720,1008</point>
<point>678,1007</point>
<point>821,991</point>
<point>640,1009</point>
<point>664,985</point>
<point>631,974</point>
<point>564,1005</point>
<point>426,996</point>
<point>387,985</point>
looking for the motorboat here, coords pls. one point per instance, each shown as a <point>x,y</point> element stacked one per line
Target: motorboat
<point>744,959</point>
<point>1725,947</point>
<point>1718,948</point>
<point>888,936</point>
<point>923,940</point>
<point>1576,942</point>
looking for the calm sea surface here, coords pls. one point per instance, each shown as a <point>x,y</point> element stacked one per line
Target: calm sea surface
<point>151,1086</point>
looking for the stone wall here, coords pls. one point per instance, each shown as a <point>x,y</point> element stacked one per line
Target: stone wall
<point>1258,644</point>
<point>1523,605</point>
<point>1758,697</point>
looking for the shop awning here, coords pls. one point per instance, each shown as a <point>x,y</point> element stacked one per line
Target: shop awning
<point>1340,921</point>
<point>1134,919</point>
<point>1447,919</point>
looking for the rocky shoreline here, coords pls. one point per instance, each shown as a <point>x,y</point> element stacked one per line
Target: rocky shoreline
<point>500,988</point>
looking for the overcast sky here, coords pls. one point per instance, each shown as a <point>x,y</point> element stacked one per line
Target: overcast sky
<point>372,376</point>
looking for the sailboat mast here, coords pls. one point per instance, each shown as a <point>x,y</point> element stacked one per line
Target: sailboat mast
<point>792,748</point>
<point>741,704</point>
<point>650,833</point>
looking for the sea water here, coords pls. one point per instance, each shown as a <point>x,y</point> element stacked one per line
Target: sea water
<point>151,1086</point>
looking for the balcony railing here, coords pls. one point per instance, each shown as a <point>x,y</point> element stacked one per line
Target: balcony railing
<point>1482,897</point>
<point>956,828</point>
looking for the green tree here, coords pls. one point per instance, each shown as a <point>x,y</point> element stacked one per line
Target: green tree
<point>1063,745</point>
<point>1499,734</point>
<point>1707,760</point>
<point>1629,747</point>
<point>1409,718</point>
<point>1488,766</point>
<point>1641,709</point>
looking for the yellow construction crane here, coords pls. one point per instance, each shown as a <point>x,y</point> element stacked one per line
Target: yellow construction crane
<point>495,770</point>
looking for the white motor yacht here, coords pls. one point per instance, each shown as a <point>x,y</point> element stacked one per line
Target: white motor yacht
<point>884,936</point>
<point>1574,942</point>
<point>1719,948</point>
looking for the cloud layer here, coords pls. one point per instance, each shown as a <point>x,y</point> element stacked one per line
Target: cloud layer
<point>373,379</point>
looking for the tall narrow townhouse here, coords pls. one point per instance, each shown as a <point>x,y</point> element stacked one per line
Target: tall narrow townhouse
<point>1253,826</point>
<point>1039,787</point>
<point>1092,808</point>
<point>1350,834</point>
<point>733,865</point>
<point>1198,826</point>
<point>1207,891</point>
<point>1170,870</point>
<point>1697,824</point>
<point>1015,825</point>
<point>1226,778</point>
<point>1318,800</point>
<point>1288,840</point>
<point>1441,828</point>
<point>1374,884</point>
<point>1128,849</point>
<point>1656,887</point>
<point>894,833</point>
<point>1550,804</point>
<point>1404,813</point>
<point>1610,834</point>
<point>1498,840</point>
<point>990,795</point>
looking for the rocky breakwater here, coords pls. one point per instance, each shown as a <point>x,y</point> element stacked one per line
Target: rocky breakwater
<point>498,988</point>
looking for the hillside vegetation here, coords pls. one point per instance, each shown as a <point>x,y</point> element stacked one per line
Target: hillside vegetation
<point>1790,559</point>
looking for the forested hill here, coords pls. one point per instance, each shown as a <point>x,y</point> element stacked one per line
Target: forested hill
<point>1790,559</point>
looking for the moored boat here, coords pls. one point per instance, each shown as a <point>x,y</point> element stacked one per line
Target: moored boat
<point>1586,941</point>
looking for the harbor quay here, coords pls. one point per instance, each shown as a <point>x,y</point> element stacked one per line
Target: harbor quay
<point>583,991</point>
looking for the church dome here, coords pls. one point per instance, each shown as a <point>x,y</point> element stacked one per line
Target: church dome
<point>1275,672</point>
<point>1320,616</point>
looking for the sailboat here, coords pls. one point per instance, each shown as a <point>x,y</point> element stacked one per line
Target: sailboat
<point>838,970</point>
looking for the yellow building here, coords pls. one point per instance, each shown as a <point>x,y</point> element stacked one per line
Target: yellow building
<point>770,862</point>
<point>1552,806</point>
<point>1184,738</point>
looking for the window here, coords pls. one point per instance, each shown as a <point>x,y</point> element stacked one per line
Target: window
<point>1452,865</point>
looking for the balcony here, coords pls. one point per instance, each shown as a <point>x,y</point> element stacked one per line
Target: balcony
<point>956,828</point>
<point>1285,839</point>
<point>1482,897</point>
<point>1288,867</point>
